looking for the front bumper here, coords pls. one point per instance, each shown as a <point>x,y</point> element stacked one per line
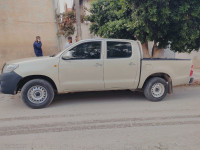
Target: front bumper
<point>8,82</point>
<point>191,80</point>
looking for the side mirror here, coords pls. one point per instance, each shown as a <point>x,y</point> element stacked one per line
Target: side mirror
<point>68,55</point>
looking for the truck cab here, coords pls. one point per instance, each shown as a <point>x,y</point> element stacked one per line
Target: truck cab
<point>88,66</point>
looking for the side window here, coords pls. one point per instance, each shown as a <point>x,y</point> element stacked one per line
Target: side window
<point>89,50</point>
<point>119,49</point>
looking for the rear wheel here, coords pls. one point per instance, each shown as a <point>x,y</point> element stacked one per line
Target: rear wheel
<point>37,93</point>
<point>155,89</point>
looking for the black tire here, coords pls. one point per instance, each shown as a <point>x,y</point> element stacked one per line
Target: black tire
<point>150,87</point>
<point>42,86</point>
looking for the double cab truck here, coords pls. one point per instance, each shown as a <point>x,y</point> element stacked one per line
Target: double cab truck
<point>93,65</point>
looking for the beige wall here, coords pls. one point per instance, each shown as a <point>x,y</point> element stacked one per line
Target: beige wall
<point>20,22</point>
<point>195,56</point>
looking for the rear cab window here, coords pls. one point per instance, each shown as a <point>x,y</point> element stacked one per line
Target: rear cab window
<point>118,49</point>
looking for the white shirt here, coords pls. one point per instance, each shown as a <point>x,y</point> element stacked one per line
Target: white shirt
<point>67,45</point>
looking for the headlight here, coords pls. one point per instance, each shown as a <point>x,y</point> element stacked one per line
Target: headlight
<point>10,68</point>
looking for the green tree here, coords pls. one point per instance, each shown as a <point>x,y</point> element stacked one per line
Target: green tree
<point>174,22</point>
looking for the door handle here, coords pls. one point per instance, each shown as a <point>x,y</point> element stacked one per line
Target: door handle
<point>131,63</point>
<point>98,65</point>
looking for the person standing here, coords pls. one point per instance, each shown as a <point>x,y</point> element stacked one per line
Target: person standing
<point>69,42</point>
<point>37,45</point>
<point>77,39</point>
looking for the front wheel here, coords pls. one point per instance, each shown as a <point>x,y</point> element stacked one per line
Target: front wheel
<point>156,89</point>
<point>37,93</point>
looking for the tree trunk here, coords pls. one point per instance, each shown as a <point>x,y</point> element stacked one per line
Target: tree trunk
<point>78,19</point>
<point>156,51</point>
<point>145,50</point>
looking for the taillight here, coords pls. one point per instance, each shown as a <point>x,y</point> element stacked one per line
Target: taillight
<point>191,71</point>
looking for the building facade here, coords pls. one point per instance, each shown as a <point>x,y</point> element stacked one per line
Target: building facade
<point>20,22</point>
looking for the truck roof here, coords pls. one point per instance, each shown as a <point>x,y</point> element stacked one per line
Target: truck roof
<point>110,39</point>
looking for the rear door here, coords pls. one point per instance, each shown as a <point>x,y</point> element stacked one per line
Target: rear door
<point>120,65</point>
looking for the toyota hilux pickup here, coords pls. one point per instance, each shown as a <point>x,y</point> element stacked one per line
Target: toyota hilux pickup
<point>93,65</point>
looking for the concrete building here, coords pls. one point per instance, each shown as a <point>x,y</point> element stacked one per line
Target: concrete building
<point>20,22</point>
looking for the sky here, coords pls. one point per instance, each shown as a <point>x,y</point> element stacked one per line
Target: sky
<point>62,4</point>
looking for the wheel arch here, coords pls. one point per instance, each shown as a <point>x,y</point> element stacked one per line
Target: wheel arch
<point>164,76</point>
<point>24,80</point>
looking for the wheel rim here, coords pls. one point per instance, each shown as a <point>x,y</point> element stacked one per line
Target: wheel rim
<point>37,94</point>
<point>157,90</point>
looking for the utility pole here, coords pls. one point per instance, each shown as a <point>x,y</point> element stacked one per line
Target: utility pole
<point>78,19</point>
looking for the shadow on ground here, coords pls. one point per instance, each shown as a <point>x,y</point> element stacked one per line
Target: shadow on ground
<point>94,97</point>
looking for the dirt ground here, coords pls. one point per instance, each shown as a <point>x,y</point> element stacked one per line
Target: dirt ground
<point>114,120</point>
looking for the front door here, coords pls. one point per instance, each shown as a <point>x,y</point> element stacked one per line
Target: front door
<point>82,69</point>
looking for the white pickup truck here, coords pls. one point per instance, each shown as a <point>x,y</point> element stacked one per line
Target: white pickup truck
<point>93,65</point>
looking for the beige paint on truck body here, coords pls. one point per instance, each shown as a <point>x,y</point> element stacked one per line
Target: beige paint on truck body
<point>103,74</point>
<point>42,66</point>
<point>177,70</point>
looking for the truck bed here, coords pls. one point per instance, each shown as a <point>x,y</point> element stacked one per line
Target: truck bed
<point>177,69</point>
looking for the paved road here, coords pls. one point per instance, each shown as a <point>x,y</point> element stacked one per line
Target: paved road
<point>115,120</point>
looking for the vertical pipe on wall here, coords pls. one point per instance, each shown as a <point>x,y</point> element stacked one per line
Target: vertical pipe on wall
<point>78,19</point>
<point>55,6</point>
